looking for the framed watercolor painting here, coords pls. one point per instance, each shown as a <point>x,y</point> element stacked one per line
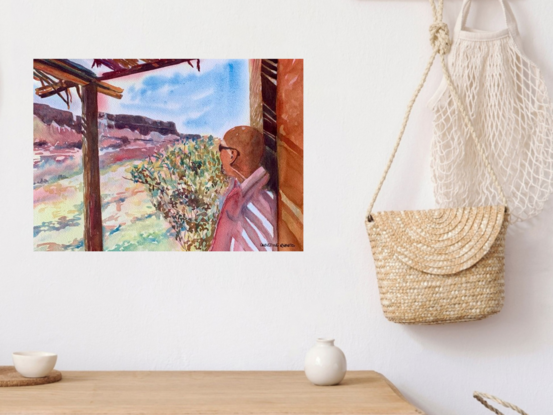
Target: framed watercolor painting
<point>168,155</point>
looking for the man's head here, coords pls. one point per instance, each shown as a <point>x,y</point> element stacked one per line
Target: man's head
<point>241,151</point>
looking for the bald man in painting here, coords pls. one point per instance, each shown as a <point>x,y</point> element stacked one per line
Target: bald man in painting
<point>247,221</point>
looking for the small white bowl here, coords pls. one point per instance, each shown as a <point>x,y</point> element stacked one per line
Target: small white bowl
<point>34,364</point>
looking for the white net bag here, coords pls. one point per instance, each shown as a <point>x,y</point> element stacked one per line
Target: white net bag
<point>508,103</point>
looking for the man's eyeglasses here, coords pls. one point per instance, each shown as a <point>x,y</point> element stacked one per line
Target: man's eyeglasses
<point>222,147</point>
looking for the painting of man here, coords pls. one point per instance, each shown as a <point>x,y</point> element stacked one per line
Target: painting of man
<point>248,217</point>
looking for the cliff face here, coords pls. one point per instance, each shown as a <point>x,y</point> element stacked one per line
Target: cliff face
<point>48,115</point>
<point>144,126</point>
<point>55,135</point>
<point>138,123</point>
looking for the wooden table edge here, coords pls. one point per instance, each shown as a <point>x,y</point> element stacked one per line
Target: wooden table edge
<point>67,376</point>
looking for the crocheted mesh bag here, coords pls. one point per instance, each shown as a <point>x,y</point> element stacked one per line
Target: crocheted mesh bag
<point>507,101</point>
<point>441,265</point>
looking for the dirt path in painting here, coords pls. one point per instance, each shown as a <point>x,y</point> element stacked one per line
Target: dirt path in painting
<point>130,221</point>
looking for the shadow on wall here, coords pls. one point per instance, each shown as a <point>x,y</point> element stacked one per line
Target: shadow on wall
<point>522,325</point>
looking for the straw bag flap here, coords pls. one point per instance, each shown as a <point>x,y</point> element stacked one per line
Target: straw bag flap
<point>438,241</point>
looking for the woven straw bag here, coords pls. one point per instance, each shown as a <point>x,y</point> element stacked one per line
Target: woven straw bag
<point>483,397</point>
<point>442,265</point>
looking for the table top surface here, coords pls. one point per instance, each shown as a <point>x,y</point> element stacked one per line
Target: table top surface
<point>213,393</point>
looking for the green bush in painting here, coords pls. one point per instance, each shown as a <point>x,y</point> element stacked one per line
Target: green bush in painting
<point>185,183</point>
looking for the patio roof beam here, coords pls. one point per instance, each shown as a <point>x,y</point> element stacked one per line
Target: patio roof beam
<point>69,72</point>
<point>159,63</point>
<point>49,90</point>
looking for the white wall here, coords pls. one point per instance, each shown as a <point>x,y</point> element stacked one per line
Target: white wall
<point>182,311</point>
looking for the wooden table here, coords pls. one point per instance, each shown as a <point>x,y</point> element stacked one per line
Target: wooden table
<point>199,393</point>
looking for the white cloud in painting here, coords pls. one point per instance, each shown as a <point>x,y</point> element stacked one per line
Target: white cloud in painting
<point>203,94</point>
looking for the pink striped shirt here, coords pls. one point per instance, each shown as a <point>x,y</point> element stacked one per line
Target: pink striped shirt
<point>248,218</point>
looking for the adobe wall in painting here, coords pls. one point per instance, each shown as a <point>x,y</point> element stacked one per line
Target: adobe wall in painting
<point>290,152</point>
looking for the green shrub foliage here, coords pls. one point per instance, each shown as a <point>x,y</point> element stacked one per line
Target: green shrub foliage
<point>185,183</point>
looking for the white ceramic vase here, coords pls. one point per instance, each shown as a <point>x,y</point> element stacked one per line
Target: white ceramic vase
<point>325,364</point>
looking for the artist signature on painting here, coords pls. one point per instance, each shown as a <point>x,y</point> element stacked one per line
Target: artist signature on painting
<point>268,244</point>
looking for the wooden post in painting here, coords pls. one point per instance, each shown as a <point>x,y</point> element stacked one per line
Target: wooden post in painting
<point>93,236</point>
<point>269,96</point>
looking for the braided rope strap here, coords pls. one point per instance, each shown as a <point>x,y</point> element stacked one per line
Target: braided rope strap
<point>441,45</point>
<point>481,397</point>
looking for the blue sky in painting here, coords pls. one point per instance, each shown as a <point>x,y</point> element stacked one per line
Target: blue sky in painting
<point>207,102</point>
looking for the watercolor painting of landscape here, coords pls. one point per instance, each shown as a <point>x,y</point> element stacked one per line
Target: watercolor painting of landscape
<point>168,154</point>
